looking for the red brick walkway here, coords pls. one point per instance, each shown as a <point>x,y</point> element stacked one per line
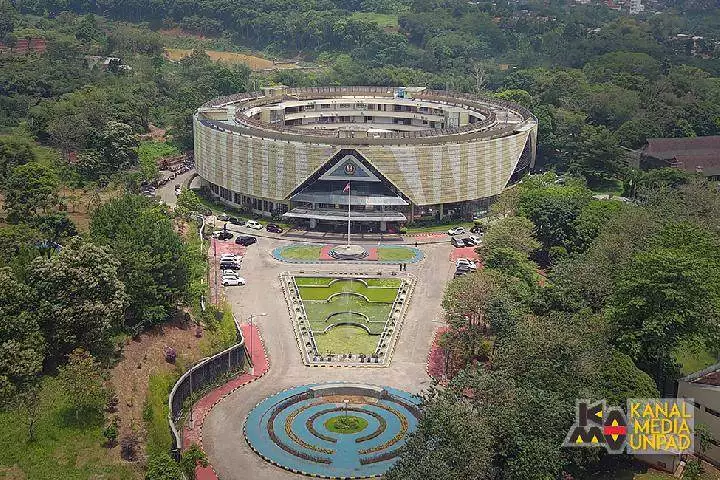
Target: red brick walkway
<point>193,434</point>
<point>464,252</point>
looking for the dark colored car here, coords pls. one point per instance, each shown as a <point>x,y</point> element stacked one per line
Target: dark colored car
<point>245,240</point>
<point>271,227</point>
<point>229,265</point>
<point>457,242</point>
<point>469,241</point>
<point>236,221</point>
<point>476,229</point>
<point>224,235</point>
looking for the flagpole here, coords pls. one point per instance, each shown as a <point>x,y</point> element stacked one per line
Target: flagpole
<point>349,197</point>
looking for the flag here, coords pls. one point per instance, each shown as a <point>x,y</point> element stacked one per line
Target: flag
<point>347,188</point>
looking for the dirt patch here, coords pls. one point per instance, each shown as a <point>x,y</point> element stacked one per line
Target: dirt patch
<point>80,203</point>
<point>143,357</point>
<point>252,61</point>
<point>12,473</point>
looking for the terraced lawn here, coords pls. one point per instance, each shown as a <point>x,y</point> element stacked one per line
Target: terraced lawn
<point>353,311</point>
<point>346,339</point>
<point>323,291</point>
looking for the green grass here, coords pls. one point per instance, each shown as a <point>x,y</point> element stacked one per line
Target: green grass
<point>346,339</point>
<point>692,357</point>
<point>302,252</point>
<point>383,282</point>
<point>395,254</point>
<point>315,292</point>
<point>319,311</point>
<point>383,20</point>
<point>155,412</point>
<point>63,448</point>
<point>373,293</point>
<point>607,186</point>
<point>346,424</point>
<point>318,281</point>
<point>150,150</point>
<point>223,336</point>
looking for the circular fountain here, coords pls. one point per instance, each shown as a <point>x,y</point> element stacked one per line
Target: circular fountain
<point>348,252</point>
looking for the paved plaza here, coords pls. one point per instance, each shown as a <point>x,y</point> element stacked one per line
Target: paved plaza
<point>222,433</point>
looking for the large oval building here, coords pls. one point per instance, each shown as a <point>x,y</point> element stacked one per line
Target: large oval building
<point>386,154</point>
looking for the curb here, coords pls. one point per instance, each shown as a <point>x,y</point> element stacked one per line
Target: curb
<point>200,422</point>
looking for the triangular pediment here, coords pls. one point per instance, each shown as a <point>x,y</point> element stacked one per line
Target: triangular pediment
<point>349,167</point>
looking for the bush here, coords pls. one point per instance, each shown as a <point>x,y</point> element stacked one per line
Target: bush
<point>163,467</point>
<point>111,432</point>
<point>190,459</point>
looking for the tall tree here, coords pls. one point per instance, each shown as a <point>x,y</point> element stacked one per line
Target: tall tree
<point>80,300</point>
<point>28,189</point>
<point>153,264</point>
<point>22,346</point>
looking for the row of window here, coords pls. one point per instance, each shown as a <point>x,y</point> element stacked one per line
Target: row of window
<point>247,201</point>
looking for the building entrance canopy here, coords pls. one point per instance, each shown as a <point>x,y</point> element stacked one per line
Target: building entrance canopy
<point>340,215</point>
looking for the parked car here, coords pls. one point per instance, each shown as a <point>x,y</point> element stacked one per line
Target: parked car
<point>271,227</point>
<point>476,229</point>
<point>223,217</point>
<point>469,241</point>
<point>253,224</point>
<point>465,262</point>
<point>477,240</point>
<point>456,231</point>
<point>457,242</point>
<point>462,270</point>
<point>224,235</point>
<point>229,265</point>
<point>231,281</point>
<point>230,257</point>
<point>245,240</point>
<point>235,220</point>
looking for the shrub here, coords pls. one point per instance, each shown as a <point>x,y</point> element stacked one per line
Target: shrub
<point>163,467</point>
<point>111,432</point>
<point>190,459</point>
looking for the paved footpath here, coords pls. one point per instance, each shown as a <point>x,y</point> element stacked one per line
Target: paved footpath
<point>222,415</point>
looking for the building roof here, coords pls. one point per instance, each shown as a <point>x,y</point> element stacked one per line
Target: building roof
<point>707,376</point>
<point>691,154</point>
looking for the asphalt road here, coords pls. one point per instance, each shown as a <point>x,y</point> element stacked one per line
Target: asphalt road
<point>222,432</point>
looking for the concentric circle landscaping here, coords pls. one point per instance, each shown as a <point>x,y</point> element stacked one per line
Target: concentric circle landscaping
<point>335,430</point>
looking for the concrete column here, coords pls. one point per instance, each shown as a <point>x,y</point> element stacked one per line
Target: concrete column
<point>313,223</point>
<point>383,226</point>
<point>442,210</point>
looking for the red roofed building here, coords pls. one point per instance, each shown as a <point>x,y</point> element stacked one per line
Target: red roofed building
<point>691,154</point>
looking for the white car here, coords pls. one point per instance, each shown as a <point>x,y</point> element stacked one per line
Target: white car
<point>466,262</point>
<point>456,231</point>
<point>231,281</point>
<point>476,239</point>
<point>253,224</point>
<point>230,257</point>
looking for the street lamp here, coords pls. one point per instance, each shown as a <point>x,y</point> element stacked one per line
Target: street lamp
<point>250,321</point>
<point>345,402</point>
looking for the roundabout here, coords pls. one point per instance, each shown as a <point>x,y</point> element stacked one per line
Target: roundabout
<point>333,430</point>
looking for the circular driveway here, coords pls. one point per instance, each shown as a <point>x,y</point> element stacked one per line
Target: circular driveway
<point>222,434</point>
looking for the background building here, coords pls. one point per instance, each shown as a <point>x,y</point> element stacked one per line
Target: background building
<point>690,154</point>
<point>406,152</point>
<point>703,388</point>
